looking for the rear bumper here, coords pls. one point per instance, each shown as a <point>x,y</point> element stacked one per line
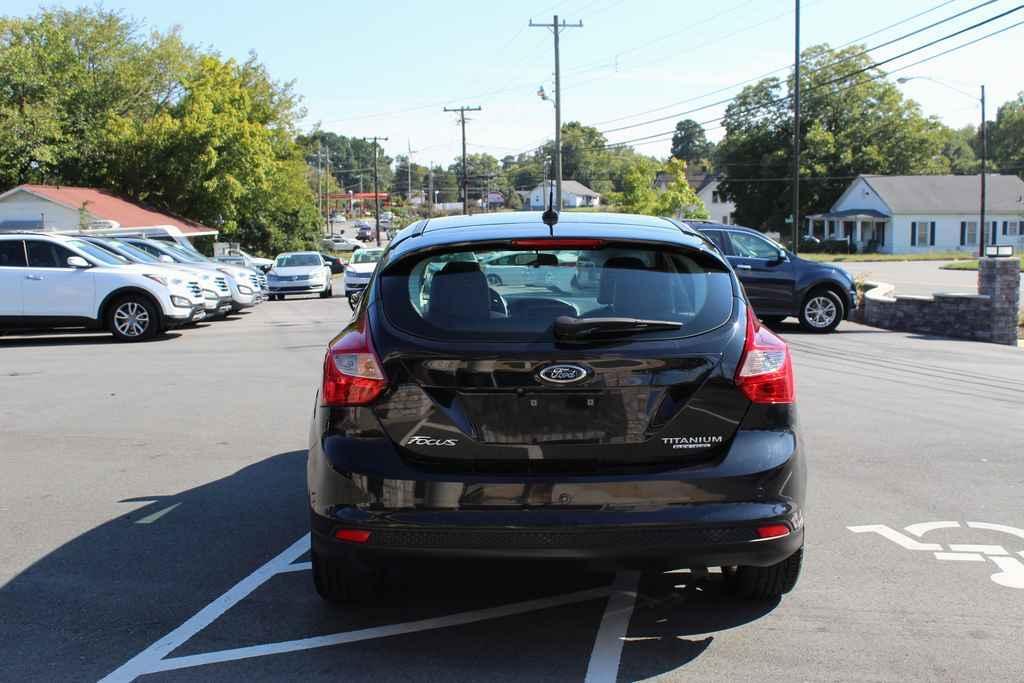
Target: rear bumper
<point>705,515</point>
<point>699,536</point>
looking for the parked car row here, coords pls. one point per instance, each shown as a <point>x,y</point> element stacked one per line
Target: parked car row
<point>134,287</point>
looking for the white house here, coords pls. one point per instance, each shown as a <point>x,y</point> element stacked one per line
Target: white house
<point>905,214</point>
<point>60,208</point>
<point>705,186</point>
<point>574,195</point>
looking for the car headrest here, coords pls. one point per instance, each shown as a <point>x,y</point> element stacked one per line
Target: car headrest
<point>643,294</point>
<point>459,293</point>
<point>606,292</point>
<point>545,260</point>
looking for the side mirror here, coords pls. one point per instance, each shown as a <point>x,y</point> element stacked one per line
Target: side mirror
<point>78,262</point>
<point>783,255</point>
<point>166,259</point>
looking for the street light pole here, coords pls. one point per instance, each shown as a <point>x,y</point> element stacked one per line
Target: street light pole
<point>984,169</point>
<point>984,154</point>
<point>796,132</point>
<point>376,192</point>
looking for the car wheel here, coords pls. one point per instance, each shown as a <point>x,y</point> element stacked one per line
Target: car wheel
<point>343,578</point>
<point>327,293</point>
<point>493,280</point>
<point>765,583</point>
<point>133,318</point>
<point>821,311</point>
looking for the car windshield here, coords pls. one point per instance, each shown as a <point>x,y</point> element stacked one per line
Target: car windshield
<point>293,260</point>
<point>187,255</point>
<point>520,294</point>
<point>98,253</point>
<point>367,256</point>
<point>129,250</point>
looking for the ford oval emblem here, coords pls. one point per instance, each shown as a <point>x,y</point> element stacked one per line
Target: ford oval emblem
<point>563,374</point>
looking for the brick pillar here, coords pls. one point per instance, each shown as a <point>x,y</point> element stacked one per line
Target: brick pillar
<point>999,279</point>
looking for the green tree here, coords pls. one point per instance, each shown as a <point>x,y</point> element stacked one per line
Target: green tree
<point>850,124</point>
<point>689,142</point>
<point>678,200</point>
<point>1006,137</point>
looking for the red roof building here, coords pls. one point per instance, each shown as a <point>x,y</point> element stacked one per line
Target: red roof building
<point>61,208</point>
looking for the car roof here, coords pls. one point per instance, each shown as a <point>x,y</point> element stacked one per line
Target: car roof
<point>294,253</point>
<point>528,224</point>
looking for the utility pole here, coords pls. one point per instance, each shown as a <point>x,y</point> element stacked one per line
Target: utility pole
<point>796,131</point>
<point>408,167</point>
<point>557,28</point>
<point>984,167</point>
<point>319,181</point>
<point>376,191</point>
<point>465,170</point>
<point>430,192</point>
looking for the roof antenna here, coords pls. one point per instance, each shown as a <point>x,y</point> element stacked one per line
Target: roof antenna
<point>550,217</point>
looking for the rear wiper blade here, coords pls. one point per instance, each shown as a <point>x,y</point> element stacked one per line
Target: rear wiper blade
<point>569,328</point>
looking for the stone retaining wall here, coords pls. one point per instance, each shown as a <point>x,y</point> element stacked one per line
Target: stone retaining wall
<point>990,315</point>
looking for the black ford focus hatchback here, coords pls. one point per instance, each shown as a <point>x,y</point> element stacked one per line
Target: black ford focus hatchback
<point>638,416</point>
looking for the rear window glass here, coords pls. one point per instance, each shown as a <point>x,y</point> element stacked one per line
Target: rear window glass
<point>518,294</point>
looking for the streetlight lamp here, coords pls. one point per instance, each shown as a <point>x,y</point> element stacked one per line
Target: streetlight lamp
<point>984,151</point>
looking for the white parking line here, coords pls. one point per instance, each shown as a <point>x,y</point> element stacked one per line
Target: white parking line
<point>149,519</point>
<point>446,621</point>
<point>604,658</point>
<point>148,659</point>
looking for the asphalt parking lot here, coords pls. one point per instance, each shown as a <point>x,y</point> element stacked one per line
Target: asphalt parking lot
<point>153,509</point>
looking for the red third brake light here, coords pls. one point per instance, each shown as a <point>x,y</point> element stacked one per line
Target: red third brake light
<point>559,243</point>
<point>765,372</point>
<point>352,373</point>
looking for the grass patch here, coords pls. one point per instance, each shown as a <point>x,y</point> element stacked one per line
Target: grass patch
<point>867,258</point>
<point>972,264</point>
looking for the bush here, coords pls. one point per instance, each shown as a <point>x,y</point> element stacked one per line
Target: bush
<point>827,247</point>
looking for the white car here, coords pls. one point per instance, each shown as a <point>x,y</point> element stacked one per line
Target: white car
<point>243,285</point>
<point>216,301</point>
<point>359,269</point>
<point>251,261</point>
<point>56,282</point>
<point>300,272</point>
<point>341,244</point>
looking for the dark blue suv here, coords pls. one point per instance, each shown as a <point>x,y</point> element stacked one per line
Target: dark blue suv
<point>644,418</point>
<point>779,283</point>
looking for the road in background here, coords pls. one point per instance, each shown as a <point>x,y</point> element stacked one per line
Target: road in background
<point>141,482</point>
<point>918,277</point>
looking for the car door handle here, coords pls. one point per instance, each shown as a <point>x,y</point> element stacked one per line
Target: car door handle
<point>742,266</point>
<point>33,277</point>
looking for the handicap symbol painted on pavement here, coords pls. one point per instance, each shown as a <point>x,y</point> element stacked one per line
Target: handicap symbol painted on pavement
<point>1011,572</point>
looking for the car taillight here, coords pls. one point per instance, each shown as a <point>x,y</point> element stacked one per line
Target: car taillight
<point>352,373</point>
<point>765,372</point>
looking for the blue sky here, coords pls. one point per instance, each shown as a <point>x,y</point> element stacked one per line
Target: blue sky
<point>388,68</point>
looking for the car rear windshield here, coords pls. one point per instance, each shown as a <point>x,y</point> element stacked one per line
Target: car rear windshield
<point>518,294</point>
<point>292,260</point>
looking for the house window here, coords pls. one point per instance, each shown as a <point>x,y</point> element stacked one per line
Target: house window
<point>1011,228</point>
<point>714,196</point>
<point>922,233</point>
<point>880,231</point>
<point>968,233</point>
<point>725,220</point>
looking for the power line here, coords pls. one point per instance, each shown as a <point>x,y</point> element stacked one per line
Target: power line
<point>773,71</point>
<point>845,59</point>
<point>844,77</point>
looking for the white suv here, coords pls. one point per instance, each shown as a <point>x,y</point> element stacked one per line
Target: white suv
<point>53,281</point>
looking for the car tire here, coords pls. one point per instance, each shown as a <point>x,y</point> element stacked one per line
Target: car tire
<point>493,280</point>
<point>771,320</point>
<point>765,583</point>
<point>821,311</point>
<point>327,293</point>
<point>343,578</point>
<point>133,318</point>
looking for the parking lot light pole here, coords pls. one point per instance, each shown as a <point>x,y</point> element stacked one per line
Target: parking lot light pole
<point>984,153</point>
